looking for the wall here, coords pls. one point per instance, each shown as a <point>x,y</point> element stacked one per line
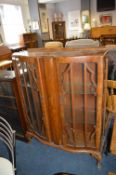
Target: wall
<point>95,15</point>
<point>50,11</point>
<point>34,16</point>
<point>85,4</point>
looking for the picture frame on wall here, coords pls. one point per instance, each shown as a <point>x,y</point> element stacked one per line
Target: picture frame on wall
<point>105,19</point>
<point>74,20</point>
<point>44,20</point>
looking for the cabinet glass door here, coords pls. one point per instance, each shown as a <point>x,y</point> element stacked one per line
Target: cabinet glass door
<point>81,92</point>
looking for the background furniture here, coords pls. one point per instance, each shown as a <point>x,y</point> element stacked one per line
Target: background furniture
<point>111,108</point>
<point>58,29</point>
<point>96,32</point>
<point>30,40</point>
<point>53,44</point>
<point>7,136</point>
<point>108,39</point>
<point>5,57</point>
<point>113,140</point>
<point>82,43</point>
<point>10,107</point>
<point>62,109</point>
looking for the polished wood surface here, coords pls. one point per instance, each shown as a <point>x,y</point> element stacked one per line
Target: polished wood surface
<point>62,96</point>
<point>111,108</point>
<point>113,141</point>
<point>96,32</point>
<point>37,52</point>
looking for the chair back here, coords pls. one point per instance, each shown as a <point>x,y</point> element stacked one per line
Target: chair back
<point>54,44</point>
<point>7,136</point>
<point>82,43</point>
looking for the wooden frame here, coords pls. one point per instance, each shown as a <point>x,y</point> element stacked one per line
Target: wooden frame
<point>105,19</point>
<point>74,20</point>
<point>54,97</point>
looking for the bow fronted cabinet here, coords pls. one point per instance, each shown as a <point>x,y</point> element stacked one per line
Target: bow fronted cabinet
<point>63,97</point>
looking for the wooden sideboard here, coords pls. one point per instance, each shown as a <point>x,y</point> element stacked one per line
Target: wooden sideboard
<point>30,40</point>
<point>96,32</point>
<point>62,94</point>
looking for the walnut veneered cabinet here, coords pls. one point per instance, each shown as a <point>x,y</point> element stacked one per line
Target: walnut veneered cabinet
<point>58,29</point>
<point>63,97</point>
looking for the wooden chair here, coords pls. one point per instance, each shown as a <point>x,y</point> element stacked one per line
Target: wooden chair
<point>82,43</point>
<point>7,136</point>
<point>111,96</point>
<point>54,44</point>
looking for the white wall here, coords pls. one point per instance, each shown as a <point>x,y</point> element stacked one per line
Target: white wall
<point>95,14</point>
<point>65,7</point>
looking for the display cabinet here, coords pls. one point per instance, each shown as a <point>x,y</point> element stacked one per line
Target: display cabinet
<point>10,106</point>
<point>62,93</point>
<point>58,29</point>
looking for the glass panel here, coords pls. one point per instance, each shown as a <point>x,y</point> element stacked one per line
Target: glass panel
<point>78,100</point>
<point>30,89</point>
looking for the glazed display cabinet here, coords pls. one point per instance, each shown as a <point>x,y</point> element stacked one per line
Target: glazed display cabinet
<point>63,97</point>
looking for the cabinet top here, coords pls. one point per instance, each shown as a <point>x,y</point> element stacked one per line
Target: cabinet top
<point>61,52</point>
<point>30,33</point>
<point>58,21</point>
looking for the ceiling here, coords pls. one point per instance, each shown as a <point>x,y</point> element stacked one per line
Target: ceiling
<point>50,1</point>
